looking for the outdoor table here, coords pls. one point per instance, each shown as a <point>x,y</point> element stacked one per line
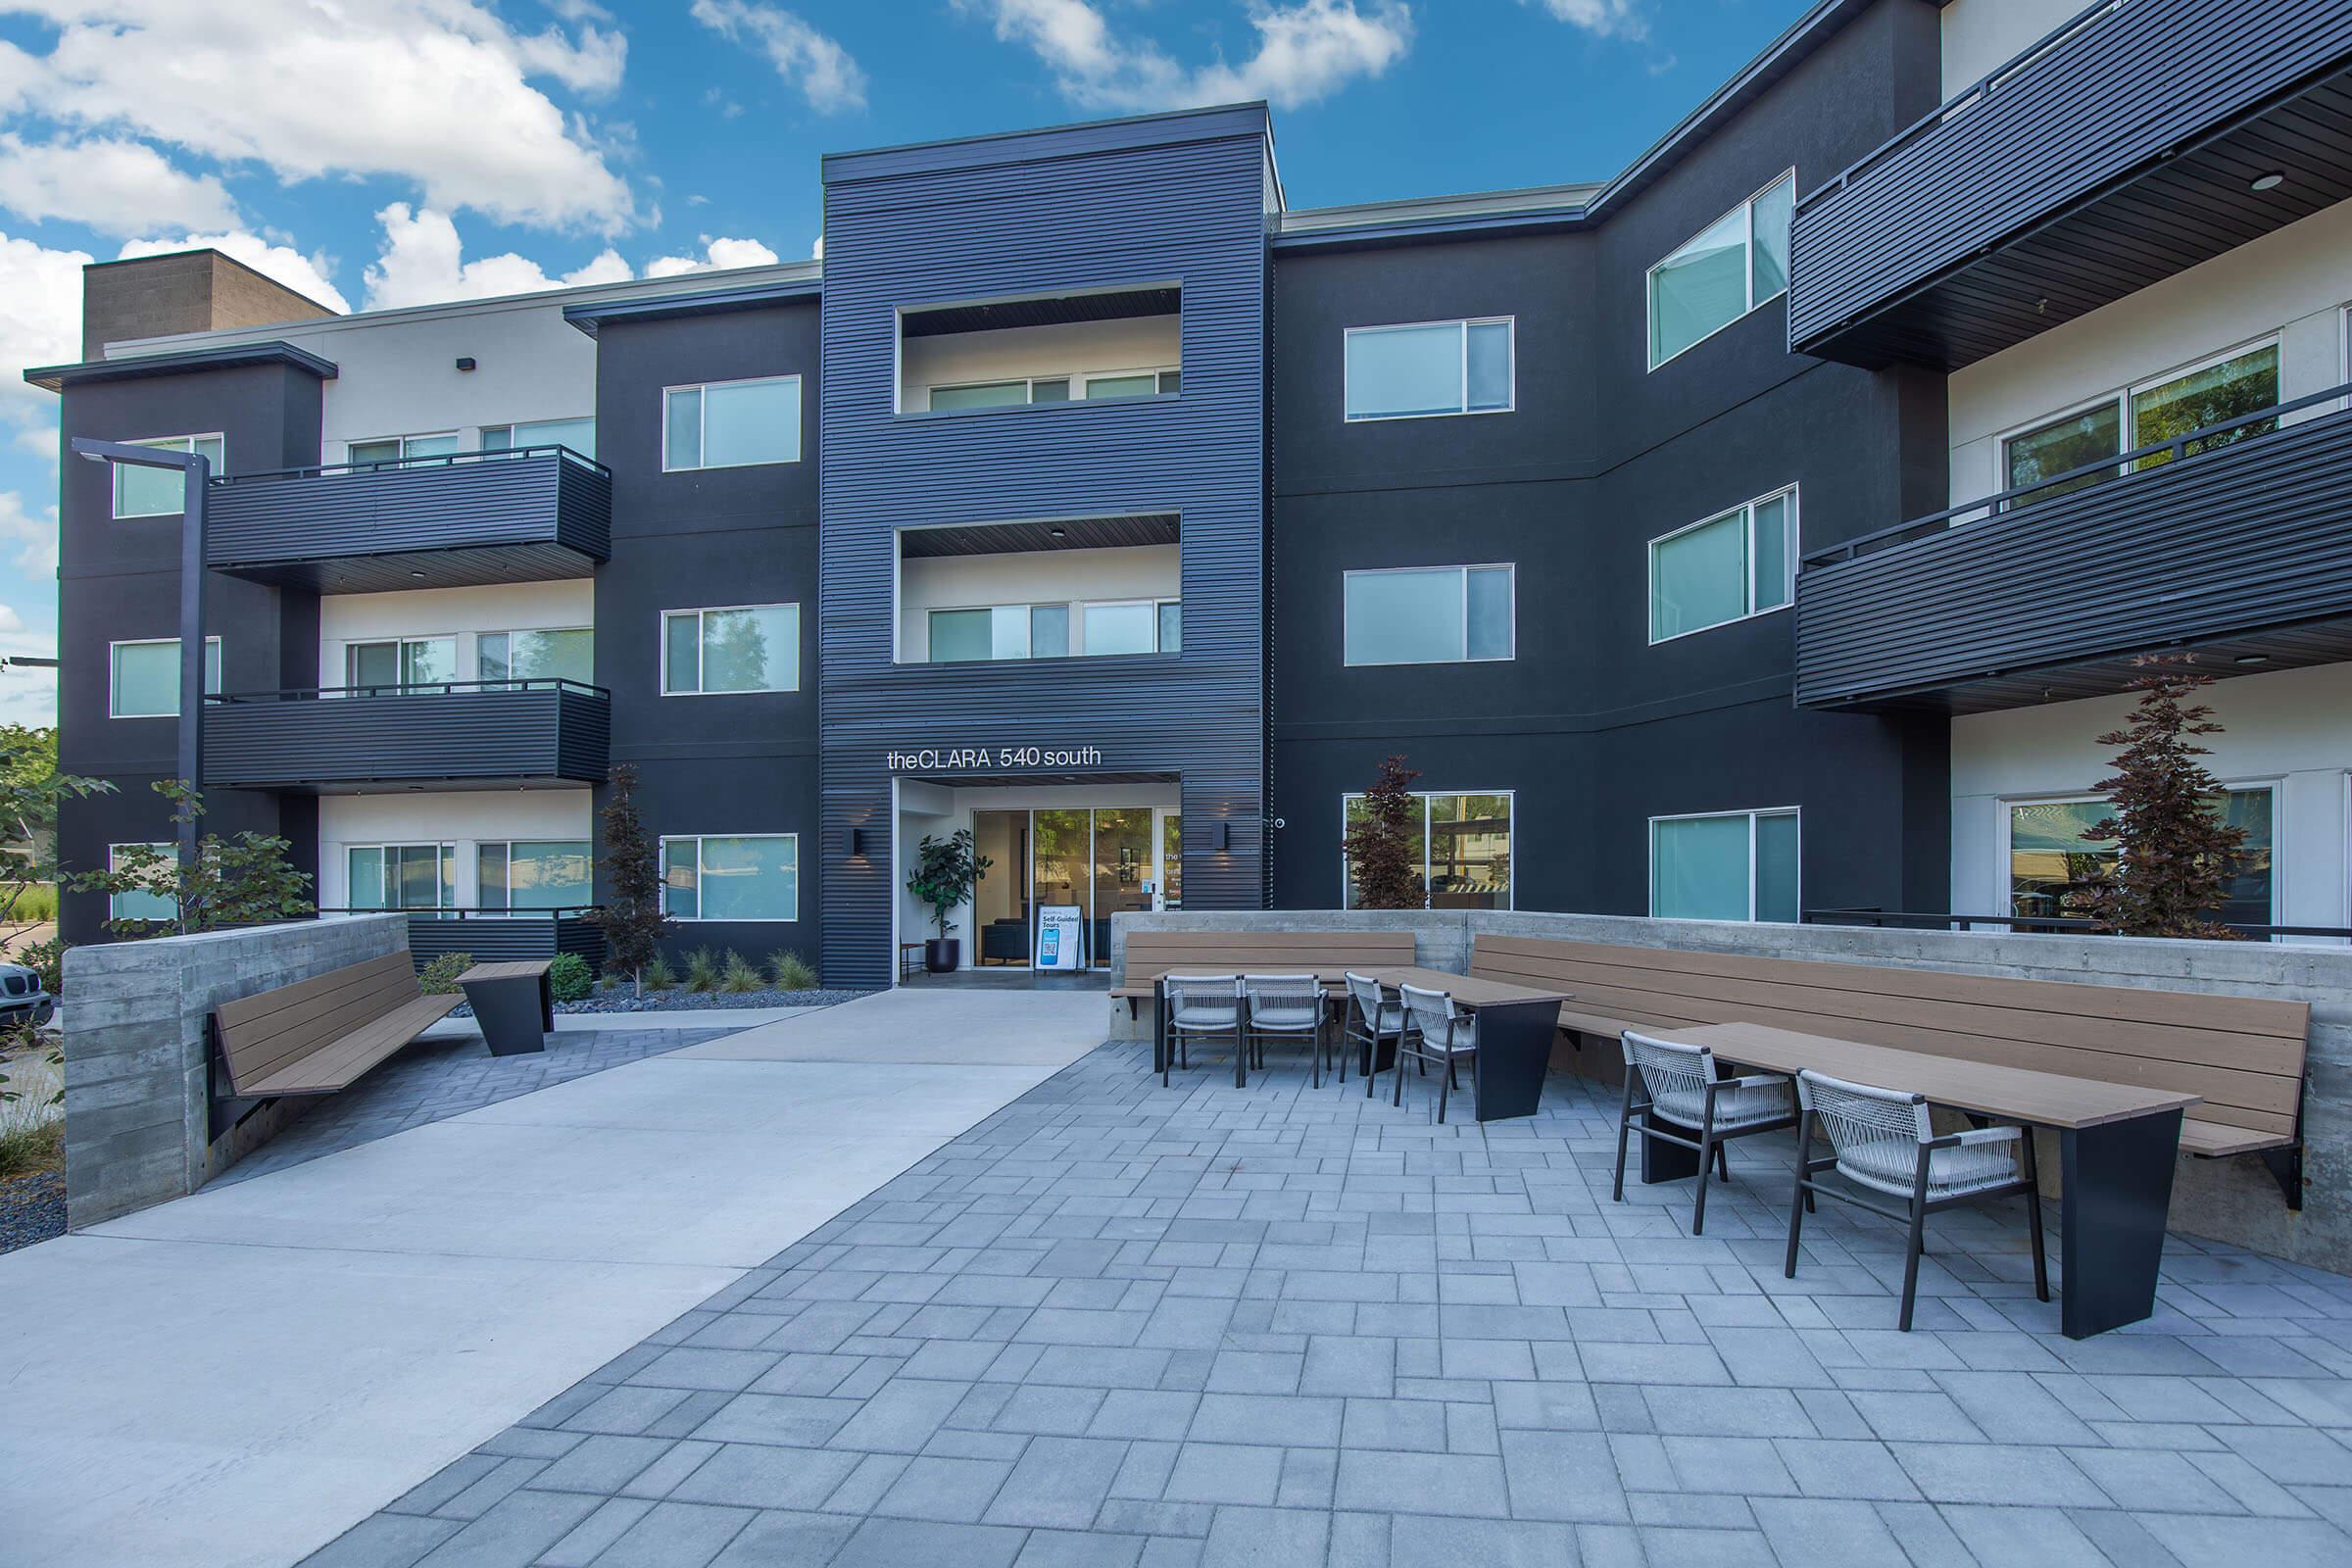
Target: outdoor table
<point>512,1004</point>
<point>2116,1143</point>
<point>1516,1026</point>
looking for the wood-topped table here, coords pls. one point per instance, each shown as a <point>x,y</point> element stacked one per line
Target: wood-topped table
<point>512,1004</point>
<point>2117,1144</point>
<point>1516,1025</point>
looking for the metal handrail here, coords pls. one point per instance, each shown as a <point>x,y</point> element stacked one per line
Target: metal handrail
<point>2121,467</point>
<point>1967,100</point>
<point>441,460</point>
<point>428,688</point>
<point>566,911</point>
<point>2037,922</point>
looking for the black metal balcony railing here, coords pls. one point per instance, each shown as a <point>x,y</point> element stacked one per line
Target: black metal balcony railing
<point>530,515</point>
<point>350,739</point>
<point>497,936</point>
<point>2121,148</point>
<point>2229,534</point>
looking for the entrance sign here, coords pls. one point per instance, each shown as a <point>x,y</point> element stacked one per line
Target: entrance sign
<point>1061,934</point>
<point>1002,758</point>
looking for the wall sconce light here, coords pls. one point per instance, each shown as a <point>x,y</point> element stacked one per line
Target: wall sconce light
<point>857,843</point>
<point>1224,837</point>
<point>467,362</point>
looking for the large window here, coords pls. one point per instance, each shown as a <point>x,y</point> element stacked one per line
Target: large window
<point>748,648</point>
<point>566,655</point>
<point>395,662</point>
<point>2232,386</point>
<point>1733,264</point>
<point>1463,843</point>
<point>1729,865</point>
<point>577,434</point>
<point>1055,631</point>
<point>1021,391</point>
<point>744,877</point>
<point>1428,616</point>
<point>534,874</point>
<point>401,876</point>
<point>143,677</point>
<point>1429,368</point>
<point>402,448</point>
<point>1729,567</point>
<point>160,492</point>
<point>731,424</point>
<point>155,906</point>
<point>2051,855</point>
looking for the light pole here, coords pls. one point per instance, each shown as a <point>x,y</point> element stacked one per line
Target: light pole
<point>196,470</point>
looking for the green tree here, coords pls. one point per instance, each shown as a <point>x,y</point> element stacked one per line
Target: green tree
<point>244,880</point>
<point>30,788</point>
<point>1380,842</point>
<point>631,916</point>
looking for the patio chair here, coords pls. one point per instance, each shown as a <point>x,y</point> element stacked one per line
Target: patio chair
<point>1372,1020</point>
<point>1670,1085</point>
<point>1283,1006</point>
<point>1198,1006</point>
<point>1437,1033</point>
<point>1883,1140</point>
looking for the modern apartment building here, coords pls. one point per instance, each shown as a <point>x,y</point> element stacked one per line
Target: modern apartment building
<point>1769,528</point>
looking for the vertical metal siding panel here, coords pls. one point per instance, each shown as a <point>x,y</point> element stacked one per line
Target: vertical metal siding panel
<point>1189,213</point>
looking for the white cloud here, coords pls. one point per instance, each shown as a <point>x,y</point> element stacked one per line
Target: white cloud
<point>436,92</point>
<point>423,263</point>
<point>1603,19</point>
<point>27,696</point>
<point>808,59</point>
<point>304,275</point>
<point>40,323</point>
<point>1307,50</point>
<point>111,183</point>
<point>716,253</point>
<point>29,541</point>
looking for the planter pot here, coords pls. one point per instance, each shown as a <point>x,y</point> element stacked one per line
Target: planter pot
<point>943,954</point>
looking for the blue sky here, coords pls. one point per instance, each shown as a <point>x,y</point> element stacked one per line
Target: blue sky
<point>375,153</point>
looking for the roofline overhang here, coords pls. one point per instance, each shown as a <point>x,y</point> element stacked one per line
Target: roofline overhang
<point>189,361</point>
<point>590,319</point>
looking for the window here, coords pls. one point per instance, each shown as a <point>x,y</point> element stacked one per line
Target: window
<point>731,424</point>
<point>161,492</point>
<point>1726,569</point>
<point>534,874</point>
<point>1428,616</point>
<point>1130,627</point>
<point>739,879</point>
<point>1734,866</point>
<point>402,448</point>
<point>401,876</point>
<point>1733,264</point>
<point>143,678</point>
<point>748,648</point>
<point>1042,631</point>
<point>400,662</point>
<point>2051,855</point>
<point>566,655</point>
<point>577,434</point>
<point>1463,843</point>
<point>2235,385</point>
<point>140,906</point>
<point>1429,368</point>
<point>1021,391</point>
<point>1171,626</point>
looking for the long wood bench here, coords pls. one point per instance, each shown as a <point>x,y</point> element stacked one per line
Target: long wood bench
<point>2242,1055</point>
<point>1329,953</point>
<point>319,1035</point>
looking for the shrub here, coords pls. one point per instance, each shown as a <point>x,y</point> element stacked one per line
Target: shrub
<point>568,978</point>
<point>37,904</point>
<point>46,960</point>
<point>657,975</point>
<point>791,971</point>
<point>741,974</point>
<point>702,970</point>
<point>440,977</point>
<point>31,1139</point>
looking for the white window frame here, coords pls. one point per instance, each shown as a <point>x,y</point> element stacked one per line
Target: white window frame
<point>449,855</point>
<point>1747,578</point>
<point>401,642</point>
<point>2120,399</point>
<point>483,432</point>
<point>662,633</point>
<point>114,901</point>
<point>1087,607</point>
<point>2003,840</point>
<point>1650,280</point>
<point>799,445</point>
<point>508,843</point>
<point>404,440</point>
<point>1753,814</point>
<point>1510,894</point>
<point>1081,380</point>
<point>1077,380</point>
<point>1464,324</point>
<point>661,875</point>
<point>161,443</point>
<point>511,633</point>
<point>1463,572</point>
<point>114,674</point>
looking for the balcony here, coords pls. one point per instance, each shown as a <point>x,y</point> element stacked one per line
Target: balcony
<point>455,735</point>
<point>2141,139</point>
<point>2236,551</point>
<point>531,515</point>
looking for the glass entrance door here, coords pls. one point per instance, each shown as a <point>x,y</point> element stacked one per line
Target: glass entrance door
<point>1003,914</point>
<point>1124,852</point>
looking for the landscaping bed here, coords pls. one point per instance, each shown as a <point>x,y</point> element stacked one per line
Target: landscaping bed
<point>623,1000</point>
<point>32,1208</point>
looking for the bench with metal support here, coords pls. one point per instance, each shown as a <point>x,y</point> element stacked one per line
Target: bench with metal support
<point>2241,1056</point>
<point>321,1034</point>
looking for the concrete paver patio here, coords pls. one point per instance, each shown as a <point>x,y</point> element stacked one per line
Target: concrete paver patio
<point>1121,1323</point>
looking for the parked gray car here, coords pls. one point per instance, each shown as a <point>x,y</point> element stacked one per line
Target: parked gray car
<point>21,995</point>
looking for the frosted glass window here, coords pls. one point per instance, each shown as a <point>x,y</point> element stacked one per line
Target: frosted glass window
<point>1431,615</point>
<point>1171,628</point>
<point>1437,367</point>
<point>751,648</point>
<point>1130,628</point>
<point>960,636</point>
<point>1722,569</point>
<point>1738,865</point>
<point>732,424</point>
<point>1142,385</point>
<point>751,877</point>
<point>144,680</point>
<point>160,492</point>
<point>1721,274</point>
<point>1049,632</point>
<point>986,395</point>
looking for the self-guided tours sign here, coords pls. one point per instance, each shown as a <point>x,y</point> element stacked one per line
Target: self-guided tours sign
<point>993,759</point>
<point>1061,934</point>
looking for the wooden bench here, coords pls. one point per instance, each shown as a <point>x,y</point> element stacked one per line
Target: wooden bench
<point>319,1035</point>
<point>1328,953</point>
<point>2243,1057</point>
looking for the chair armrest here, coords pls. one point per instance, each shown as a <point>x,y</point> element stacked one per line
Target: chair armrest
<point>1974,1136</point>
<point>1754,1080</point>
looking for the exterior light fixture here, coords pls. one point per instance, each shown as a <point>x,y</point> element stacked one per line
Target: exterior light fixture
<point>2262,184</point>
<point>1224,837</point>
<point>857,843</point>
<point>2252,658</point>
<point>465,364</point>
<point>1060,533</point>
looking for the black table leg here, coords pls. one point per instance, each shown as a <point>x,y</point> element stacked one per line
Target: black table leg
<point>2118,1190</point>
<point>1514,1051</point>
<point>514,1014</point>
<point>1663,1161</point>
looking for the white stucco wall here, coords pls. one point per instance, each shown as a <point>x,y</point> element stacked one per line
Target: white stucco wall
<point>1982,36</point>
<point>462,817</point>
<point>1029,577</point>
<point>1140,343</point>
<point>2290,729</point>
<point>464,613</point>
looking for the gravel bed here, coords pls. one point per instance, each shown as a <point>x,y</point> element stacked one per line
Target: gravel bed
<point>32,1208</point>
<point>695,1000</point>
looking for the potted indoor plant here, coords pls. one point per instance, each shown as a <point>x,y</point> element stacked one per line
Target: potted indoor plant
<point>944,872</point>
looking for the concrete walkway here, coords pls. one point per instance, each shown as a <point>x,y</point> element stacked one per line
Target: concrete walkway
<point>237,1377</point>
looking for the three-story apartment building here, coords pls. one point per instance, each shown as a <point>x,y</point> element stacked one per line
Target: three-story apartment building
<point>1766,529</point>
